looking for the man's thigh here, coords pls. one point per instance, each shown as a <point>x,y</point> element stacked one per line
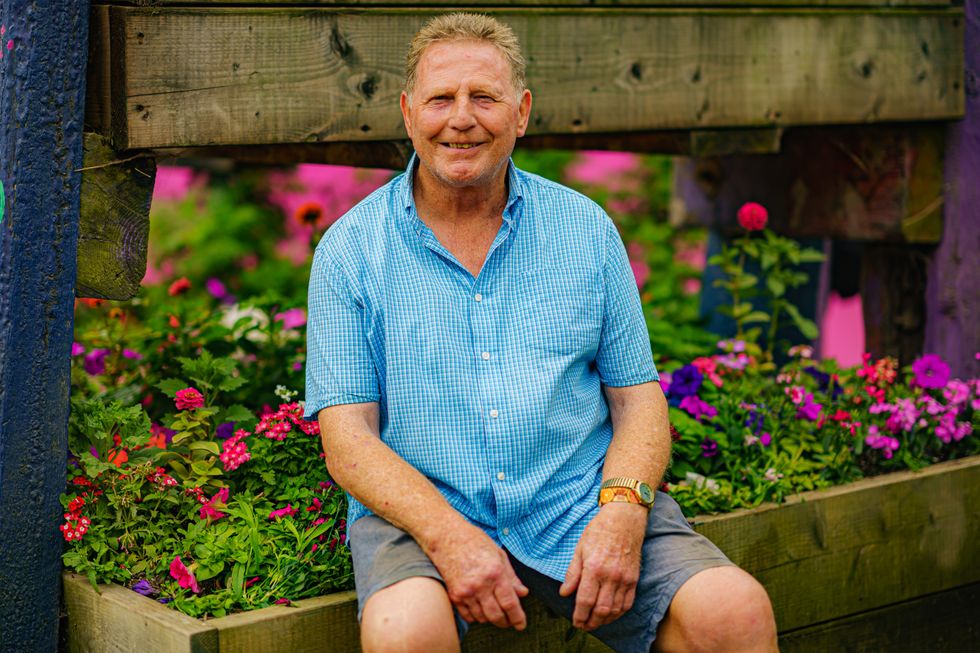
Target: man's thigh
<point>672,553</point>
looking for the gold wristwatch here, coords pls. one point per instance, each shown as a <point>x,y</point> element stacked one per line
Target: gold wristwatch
<point>626,489</point>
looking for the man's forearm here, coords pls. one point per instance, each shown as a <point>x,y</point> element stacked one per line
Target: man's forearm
<point>380,479</point>
<point>640,446</point>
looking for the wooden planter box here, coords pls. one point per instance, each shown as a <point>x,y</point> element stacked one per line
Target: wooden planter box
<point>884,564</point>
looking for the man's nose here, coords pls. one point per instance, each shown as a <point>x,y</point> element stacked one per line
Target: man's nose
<point>462,116</point>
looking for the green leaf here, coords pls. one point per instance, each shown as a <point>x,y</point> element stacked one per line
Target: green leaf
<point>170,387</point>
<point>205,445</point>
<point>811,256</point>
<point>756,316</point>
<point>775,286</point>
<point>807,327</point>
<point>236,413</point>
<point>232,383</point>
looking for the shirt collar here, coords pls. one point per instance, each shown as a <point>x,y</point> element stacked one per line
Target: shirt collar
<point>515,192</point>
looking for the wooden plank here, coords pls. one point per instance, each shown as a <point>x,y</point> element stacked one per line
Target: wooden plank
<point>114,222</point>
<point>872,183</point>
<point>893,299</point>
<point>874,543</point>
<point>121,621</point>
<point>946,622</point>
<point>98,102</point>
<point>224,76</point>
<point>546,3</point>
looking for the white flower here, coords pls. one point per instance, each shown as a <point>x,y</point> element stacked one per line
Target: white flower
<point>772,475</point>
<point>252,329</point>
<point>699,481</point>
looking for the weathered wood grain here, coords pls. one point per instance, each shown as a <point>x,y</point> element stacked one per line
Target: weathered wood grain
<point>224,76</point>
<point>98,101</point>
<point>121,621</point>
<point>846,550</point>
<point>946,622</point>
<point>114,225</point>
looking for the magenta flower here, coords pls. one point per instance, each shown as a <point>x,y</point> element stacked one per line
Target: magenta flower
<point>209,511</point>
<point>956,392</point>
<point>215,288</point>
<point>949,430</point>
<point>183,575</point>
<point>77,349</point>
<point>288,511</point>
<point>698,408</point>
<point>188,399</point>
<point>709,448</point>
<point>95,361</point>
<point>292,319</point>
<point>753,216</point>
<point>765,439</point>
<point>809,409</point>
<point>888,445</point>
<point>235,451</point>
<point>931,371</point>
<point>132,355</point>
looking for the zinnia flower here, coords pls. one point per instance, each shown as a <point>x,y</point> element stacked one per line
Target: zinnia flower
<point>183,575</point>
<point>189,399</point>
<point>931,371</point>
<point>753,216</point>
<point>179,287</point>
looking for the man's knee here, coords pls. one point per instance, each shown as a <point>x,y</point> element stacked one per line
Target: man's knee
<point>722,609</point>
<point>413,615</point>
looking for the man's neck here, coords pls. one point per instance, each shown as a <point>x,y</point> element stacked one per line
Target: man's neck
<point>469,205</point>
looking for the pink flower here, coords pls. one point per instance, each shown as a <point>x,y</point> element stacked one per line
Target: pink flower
<point>753,216</point>
<point>235,451</point>
<point>886,444</point>
<point>189,399</point>
<point>708,368</point>
<point>179,287</point>
<point>956,392</point>
<point>292,319</point>
<point>931,371</point>
<point>288,511</point>
<point>209,511</point>
<point>77,349</point>
<point>641,272</point>
<point>698,408</point>
<point>183,575</point>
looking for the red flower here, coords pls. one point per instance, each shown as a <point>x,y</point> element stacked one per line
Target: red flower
<point>308,213</point>
<point>753,216</point>
<point>179,287</point>
<point>189,399</point>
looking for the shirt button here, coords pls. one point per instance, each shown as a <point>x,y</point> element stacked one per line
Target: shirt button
<point>494,413</point>
<point>506,531</point>
<point>478,297</point>
<point>500,476</point>
<point>486,355</point>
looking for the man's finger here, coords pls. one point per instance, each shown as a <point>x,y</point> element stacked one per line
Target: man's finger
<point>465,613</point>
<point>572,576</point>
<point>602,611</point>
<point>585,599</point>
<point>477,611</point>
<point>511,605</point>
<point>493,612</point>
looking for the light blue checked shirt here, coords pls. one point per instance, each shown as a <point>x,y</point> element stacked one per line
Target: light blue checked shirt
<point>489,386</point>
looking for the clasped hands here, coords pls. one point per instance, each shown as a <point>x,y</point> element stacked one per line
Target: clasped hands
<point>603,574</point>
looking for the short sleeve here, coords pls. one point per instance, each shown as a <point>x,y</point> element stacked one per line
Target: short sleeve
<point>624,357</point>
<point>339,365</point>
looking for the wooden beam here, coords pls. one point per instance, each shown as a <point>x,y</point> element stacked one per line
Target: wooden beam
<point>893,299</point>
<point>232,76</point>
<point>881,541</point>
<point>547,3</point>
<point>115,221</point>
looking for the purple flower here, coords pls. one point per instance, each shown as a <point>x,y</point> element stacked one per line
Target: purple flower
<point>755,421</point>
<point>931,371</point>
<point>709,448</point>
<point>95,361</point>
<point>132,355</point>
<point>225,430</point>
<point>698,408</point>
<point>685,382</point>
<point>821,377</point>
<point>809,409</point>
<point>887,445</point>
<point>77,349</point>
<point>143,587</point>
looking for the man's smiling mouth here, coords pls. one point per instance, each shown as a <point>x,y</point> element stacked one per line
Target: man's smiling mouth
<point>461,146</point>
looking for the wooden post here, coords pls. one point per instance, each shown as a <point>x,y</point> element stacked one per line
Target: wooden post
<point>42,99</point>
<point>953,297</point>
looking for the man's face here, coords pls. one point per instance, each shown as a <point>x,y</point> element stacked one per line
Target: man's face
<point>464,115</point>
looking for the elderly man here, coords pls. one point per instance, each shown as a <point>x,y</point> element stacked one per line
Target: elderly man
<point>482,375</point>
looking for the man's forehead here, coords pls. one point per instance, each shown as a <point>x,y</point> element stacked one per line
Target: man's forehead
<point>462,53</point>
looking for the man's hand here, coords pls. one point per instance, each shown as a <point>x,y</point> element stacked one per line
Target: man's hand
<point>606,565</point>
<point>480,581</point>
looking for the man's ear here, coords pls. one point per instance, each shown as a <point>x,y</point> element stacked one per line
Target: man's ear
<point>524,110</point>
<point>404,103</point>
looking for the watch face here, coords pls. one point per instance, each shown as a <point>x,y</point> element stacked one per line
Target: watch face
<point>646,493</point>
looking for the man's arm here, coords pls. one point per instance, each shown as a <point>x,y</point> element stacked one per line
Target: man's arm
<point>479,579</point>
<point>606,565</point>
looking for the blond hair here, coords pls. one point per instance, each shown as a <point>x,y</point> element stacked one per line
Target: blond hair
<point>466,27</point>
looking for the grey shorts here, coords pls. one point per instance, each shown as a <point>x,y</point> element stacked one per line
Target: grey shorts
<point>672,553</point>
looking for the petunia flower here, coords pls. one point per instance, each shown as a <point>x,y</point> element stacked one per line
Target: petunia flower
<point>697,408</point>
<point>95,361</point>
<point>183,575</point>
<point>143,587</point>
<point>77,349</point>
<point>288,511</point>
<point>685,382</point>
<point>931,371</point>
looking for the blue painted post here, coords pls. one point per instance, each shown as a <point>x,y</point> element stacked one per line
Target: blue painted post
<point>42,101</point>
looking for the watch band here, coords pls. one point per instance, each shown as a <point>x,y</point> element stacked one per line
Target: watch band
<point>618,495</point>
<point>643,492</point>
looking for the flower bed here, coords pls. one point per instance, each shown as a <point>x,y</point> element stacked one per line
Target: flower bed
<point>885,560</point>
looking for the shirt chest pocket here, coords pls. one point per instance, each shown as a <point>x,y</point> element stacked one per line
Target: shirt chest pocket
<point>557,313</point>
